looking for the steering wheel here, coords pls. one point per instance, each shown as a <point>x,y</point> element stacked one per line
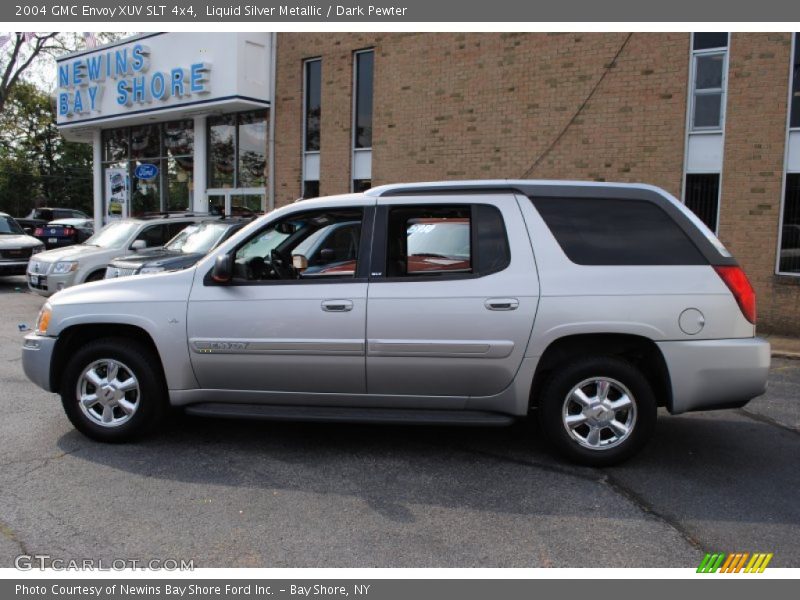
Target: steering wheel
<point>257,268</point>
<point>280,266</point>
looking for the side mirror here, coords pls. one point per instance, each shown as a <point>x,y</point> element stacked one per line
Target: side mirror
<point>299,262</point>
<point>138,245</point>
<point>28,230</point>
<point>223,269</point>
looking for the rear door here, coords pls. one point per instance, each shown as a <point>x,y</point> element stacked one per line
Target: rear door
<point>452,297</point>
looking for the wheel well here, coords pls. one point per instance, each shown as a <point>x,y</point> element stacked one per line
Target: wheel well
<point>640,351</point>
<point>92,273</point>
<point>76,336</point>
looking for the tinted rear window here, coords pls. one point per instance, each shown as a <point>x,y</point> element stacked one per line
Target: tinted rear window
<point>601,231</point>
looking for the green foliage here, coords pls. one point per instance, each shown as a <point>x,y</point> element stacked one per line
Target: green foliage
<point>37,166</point>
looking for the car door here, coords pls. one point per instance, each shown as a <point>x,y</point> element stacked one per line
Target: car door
<point>292,336</point>
<point>452,297</point>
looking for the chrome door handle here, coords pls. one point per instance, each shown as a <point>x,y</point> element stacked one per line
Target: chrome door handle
<point>502,304</point>
<point>337,305</point>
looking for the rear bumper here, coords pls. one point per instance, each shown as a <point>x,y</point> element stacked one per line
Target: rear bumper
<point>37,352</point>
<point>713,374</point>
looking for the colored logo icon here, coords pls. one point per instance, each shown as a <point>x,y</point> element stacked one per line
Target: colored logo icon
<point>737,562</point>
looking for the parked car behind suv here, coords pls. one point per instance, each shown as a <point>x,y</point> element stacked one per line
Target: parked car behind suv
<point>16,247</point>
<point>64,232</point>
<point>182,251</point>
<point>586,304</point>
<point>39,217</point>
<point>54,270</point>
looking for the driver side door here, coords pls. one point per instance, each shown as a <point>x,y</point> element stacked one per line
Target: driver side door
<point>285,338</point>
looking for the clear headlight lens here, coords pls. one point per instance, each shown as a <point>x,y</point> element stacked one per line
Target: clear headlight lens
<point>43,320</point>
<point>65,267</point>
<point>151,270</point>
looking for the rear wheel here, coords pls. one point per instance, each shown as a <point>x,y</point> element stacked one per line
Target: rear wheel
<point>598,411</point>
<point>111,392</point>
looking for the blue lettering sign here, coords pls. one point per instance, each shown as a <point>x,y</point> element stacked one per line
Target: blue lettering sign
<point>121,62</point>
<point>123,93</point>
<point>63,76</point>
<point>63,104</point>
<point>141,58</point>
<point>177,88</point>
<point>158,86</point>
<point>95,66</point>
<point>199,78</point>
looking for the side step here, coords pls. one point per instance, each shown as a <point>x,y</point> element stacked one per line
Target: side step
<point>326,414</point>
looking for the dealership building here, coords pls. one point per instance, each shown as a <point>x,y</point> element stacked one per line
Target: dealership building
<point>233,122</point>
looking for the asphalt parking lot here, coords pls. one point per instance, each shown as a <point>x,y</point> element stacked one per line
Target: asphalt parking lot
<point>247,494</point>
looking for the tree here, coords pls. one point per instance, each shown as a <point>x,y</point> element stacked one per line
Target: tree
<point>28,49</point>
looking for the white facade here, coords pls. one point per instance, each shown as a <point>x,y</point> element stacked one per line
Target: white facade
<point>166,77</point>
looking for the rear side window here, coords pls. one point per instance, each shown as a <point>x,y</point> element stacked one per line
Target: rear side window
<point>605,231</point>
<point>433,240</point>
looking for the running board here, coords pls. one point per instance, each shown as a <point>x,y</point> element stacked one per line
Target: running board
<point>325,414</point>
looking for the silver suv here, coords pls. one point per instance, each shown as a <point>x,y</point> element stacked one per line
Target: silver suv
<point>471,303</point>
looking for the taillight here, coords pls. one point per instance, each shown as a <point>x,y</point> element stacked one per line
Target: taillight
<point>38,231</point>
<point>741,289</point>
<point>72,232</point>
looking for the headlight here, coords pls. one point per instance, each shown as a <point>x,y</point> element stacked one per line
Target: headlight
<point>65,267</point>
<point>43,321</point>
<point>151,270</point>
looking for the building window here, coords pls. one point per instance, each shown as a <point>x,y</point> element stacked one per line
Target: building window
<point>363,74</point>
<point>167,146</point>
<point>702,197</point>
<point>709,67</point>
<point>312,111</point>
<point>237,150</point>
<point>789,241</point>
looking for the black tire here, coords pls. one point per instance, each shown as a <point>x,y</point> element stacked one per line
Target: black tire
<point>150,399</point>
<point>619,447</point>
<point>95,276</point>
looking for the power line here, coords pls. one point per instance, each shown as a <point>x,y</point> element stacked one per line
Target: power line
<point>563,132</point>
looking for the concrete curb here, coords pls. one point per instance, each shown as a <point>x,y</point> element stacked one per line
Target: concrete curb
<point>784,354</point>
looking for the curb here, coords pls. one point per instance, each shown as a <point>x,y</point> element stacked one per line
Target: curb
<point>785,354</point>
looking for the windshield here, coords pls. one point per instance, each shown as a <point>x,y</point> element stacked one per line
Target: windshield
<point>9,226</point>
<point>113,235</point>
<point>428,237</point>
<point>197,238</point>
<point>261,245</point>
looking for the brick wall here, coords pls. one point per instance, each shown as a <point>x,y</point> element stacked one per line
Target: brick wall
<point>490,105</point>
<point>755,138</point>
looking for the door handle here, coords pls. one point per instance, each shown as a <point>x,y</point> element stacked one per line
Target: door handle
<point>501,304</point>
<point>337,305</point>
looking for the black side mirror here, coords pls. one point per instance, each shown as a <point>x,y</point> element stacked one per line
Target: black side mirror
<point>223,269</point>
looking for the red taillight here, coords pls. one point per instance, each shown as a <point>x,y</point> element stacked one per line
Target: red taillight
<point>72,232</point>
<point>741,289</point>
<point>38,231</point>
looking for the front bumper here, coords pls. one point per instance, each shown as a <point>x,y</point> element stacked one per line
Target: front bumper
<point>49,284</point>
<point>713,374</point>
<point>8,267</point>
<point>37,354</point>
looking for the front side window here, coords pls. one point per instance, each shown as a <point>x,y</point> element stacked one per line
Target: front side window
<point>154,235</point>
<point>315,245</point>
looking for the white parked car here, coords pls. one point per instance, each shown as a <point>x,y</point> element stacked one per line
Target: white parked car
<point>54,270</point>
<point>16,247</point>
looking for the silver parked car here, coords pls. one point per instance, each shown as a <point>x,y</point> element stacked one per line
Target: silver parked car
<point>472,303</point>
<point>60,268</point>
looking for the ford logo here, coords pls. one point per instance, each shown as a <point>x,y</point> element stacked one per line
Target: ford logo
<point>146,171</point>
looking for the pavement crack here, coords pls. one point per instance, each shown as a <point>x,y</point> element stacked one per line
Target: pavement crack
<point>644,506</point>
<point>10,535</point>
<point>42,462</point>
<point>768,420</point>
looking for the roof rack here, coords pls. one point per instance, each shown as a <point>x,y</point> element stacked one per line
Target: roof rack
<point>174,213</point>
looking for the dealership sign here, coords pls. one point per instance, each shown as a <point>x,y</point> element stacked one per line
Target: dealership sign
<point>83,81</point>
<point>146,171</point>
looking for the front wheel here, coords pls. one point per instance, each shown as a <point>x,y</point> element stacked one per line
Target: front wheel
<point>598,411</point>
<point>111,392</point>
